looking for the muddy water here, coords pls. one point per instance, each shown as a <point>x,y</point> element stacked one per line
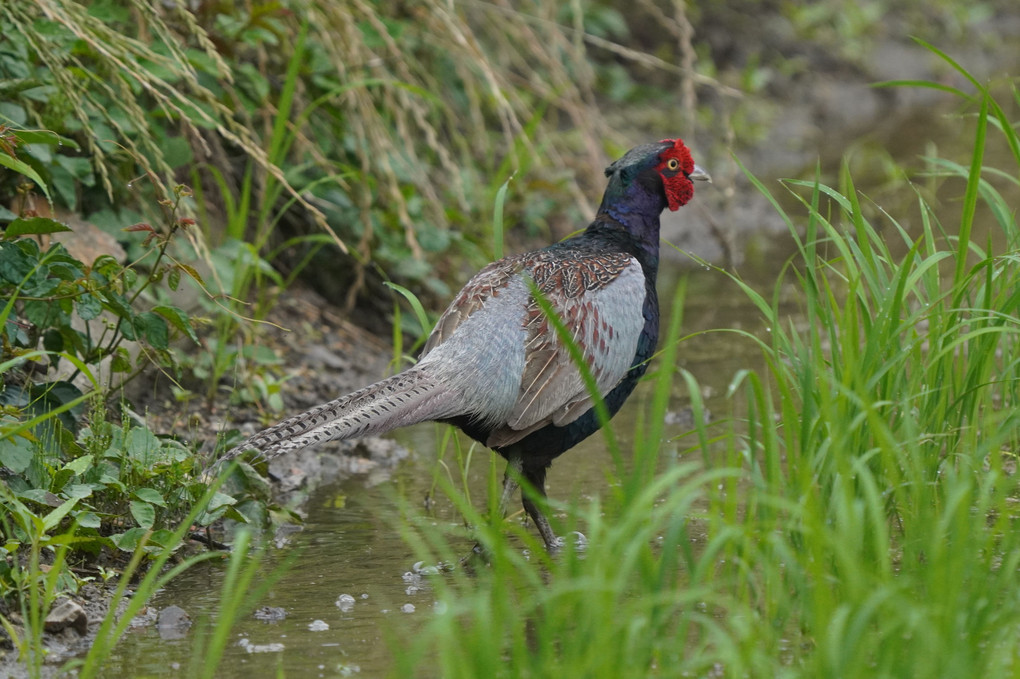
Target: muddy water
<point>348,549</point>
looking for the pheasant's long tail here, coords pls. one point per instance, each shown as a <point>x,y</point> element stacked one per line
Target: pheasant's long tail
<point>406,398</point>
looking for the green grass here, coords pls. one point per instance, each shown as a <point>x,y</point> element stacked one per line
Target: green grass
<point>153,564</point>
<point>853,515</point>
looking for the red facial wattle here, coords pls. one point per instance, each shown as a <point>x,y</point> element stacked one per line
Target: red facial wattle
<point>674,167</point>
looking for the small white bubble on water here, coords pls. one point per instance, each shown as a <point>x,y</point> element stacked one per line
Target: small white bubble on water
<point>345,602</point>
<point>407,608</point>
<point>318,626</point>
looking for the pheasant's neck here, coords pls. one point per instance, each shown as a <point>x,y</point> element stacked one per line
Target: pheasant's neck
<point>639,229</point>
<point>635,209</point>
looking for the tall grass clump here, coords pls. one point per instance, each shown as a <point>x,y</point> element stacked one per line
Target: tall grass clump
<point>855,514</point>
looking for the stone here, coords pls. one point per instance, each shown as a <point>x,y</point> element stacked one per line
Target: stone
<point>173,622</point>
<point>67,614</point>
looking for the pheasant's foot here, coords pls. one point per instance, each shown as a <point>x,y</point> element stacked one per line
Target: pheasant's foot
<point>478,556</point>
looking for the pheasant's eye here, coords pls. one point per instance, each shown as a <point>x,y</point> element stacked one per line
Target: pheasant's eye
<point>673,164</point>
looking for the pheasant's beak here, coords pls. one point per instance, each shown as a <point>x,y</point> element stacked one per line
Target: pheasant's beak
<point>700,175</point>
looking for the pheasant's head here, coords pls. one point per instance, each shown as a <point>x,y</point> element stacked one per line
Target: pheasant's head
<point>677,169</point>
<point>666,166</point>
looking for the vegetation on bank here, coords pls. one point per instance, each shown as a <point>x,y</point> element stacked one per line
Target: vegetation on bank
<point>868,473</point>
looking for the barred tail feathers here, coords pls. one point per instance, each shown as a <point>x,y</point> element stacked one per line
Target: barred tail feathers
<point>406,398</point>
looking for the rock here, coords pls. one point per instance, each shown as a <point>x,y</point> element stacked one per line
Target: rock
<point>322,356</point>
<point>173,622</point>
<point>85,240</point>
<point>270,614</point>
<point>67,613</point>
<point>145,618</point>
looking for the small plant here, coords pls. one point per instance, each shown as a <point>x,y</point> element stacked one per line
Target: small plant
<point>77,483</point>
<point>48,291</point>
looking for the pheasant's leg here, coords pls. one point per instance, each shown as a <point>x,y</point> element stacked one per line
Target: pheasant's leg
<point>536,477</point>
<point>511,483</point>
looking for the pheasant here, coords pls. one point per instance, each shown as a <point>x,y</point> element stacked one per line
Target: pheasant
<point>495,365</point>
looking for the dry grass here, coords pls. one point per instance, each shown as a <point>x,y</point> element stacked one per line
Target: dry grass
<point>426,90</point>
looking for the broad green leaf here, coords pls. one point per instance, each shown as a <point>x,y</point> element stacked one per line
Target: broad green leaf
<point>162,537</point>
<point>121,361</point>
<point>79,465</point>
<point>25,169</point>
<point>153,328</point>
<point>53,341</point>
<point>129,540</point>
<point>87,306</point>
<point>116,303</point>
<point>173,279</point>
<point>78,490</point>
<point>220,499</point>
<point>178,319</point>
<point>60,479</point>
<point>33,226</point>
<point>142,445</point>
<point>18,260</point>
<point>143,513</point>
<point>15,453</point>
<point>151,496</point>
<point>41,496</point>
<point>89,520</point>
<point>51,520</point>
<point>190,270</point>
<point>44,137</point>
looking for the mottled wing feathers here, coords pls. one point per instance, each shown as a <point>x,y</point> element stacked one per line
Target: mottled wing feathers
<point>485,285</point>
<point>599,297</point>
<point>604,320</point>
